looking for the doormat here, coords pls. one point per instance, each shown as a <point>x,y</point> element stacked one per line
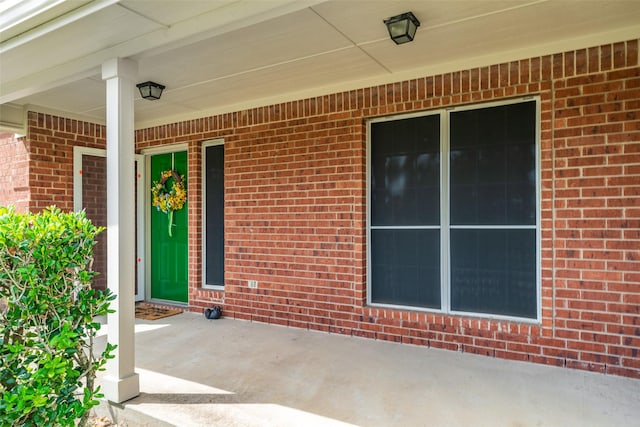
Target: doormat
<point>151,312</point>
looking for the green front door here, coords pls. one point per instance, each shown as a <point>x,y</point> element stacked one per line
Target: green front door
<point>169,252</point>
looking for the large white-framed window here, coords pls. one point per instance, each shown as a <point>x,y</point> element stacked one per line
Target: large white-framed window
<point>213,214</point>
<point>454,211</point>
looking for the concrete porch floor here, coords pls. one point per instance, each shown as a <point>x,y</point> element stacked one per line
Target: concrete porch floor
<point>199,372</point>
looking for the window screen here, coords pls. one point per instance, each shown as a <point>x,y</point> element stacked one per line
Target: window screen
<point>489,242</point>
<point>407,267</point>
<point>214,215</point>
<point>493,210</point>
<point>405,212</point>
<point>493,271</point>
<point>492,166</point>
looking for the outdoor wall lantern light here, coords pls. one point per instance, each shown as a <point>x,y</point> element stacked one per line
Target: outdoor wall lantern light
<point>402,28</point>
<point>150,90</point>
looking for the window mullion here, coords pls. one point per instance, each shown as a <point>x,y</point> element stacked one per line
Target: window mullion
<point>445,274</point>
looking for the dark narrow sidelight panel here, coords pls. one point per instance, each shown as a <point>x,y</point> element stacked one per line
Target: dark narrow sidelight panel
<point>214,211</point>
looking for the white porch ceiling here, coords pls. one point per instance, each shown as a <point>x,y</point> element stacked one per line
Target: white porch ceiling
<point>218,56</point>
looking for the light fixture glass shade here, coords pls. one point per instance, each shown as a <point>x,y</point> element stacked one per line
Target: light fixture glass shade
<point>402,28</point>
<point>150,90</point>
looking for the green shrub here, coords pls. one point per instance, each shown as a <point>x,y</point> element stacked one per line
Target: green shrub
<point>47,326</point>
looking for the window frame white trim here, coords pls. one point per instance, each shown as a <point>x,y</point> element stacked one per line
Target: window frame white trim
<point>205,145</point>
<point>78,153</point>
<point>445,226</point>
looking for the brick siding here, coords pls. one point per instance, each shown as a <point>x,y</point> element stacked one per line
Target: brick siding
<point>94,196</point>
<point>295,208</point>
<point>51,141</point>
<point>14,173</point>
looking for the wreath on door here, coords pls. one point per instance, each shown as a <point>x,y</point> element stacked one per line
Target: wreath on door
<point>169,194</point>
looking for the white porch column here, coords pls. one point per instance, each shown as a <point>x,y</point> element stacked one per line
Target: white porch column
<point>120,382</point>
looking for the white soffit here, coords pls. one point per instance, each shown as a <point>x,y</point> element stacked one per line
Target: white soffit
<point>81,96</point>
<point>217,56</point>
<point>266,81</point>
<point>93,33</point>
<point>280,40</point>
<point>18,15</point>
<point>172,12</point>
<point>513,29</point>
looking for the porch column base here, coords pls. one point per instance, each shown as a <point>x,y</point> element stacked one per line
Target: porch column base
<point>119,390</point>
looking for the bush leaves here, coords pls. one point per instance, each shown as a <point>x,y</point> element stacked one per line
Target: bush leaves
<point>47,312</point>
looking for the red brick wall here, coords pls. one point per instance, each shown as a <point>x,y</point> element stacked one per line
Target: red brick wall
<point>295,208</point>
<point>51,141</point>
<point>14,173</point>
<point>94,196</point>
<point>596,222</point>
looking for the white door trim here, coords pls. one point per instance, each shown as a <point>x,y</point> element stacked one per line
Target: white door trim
<point>78,152</point>
<point>146,155</point>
